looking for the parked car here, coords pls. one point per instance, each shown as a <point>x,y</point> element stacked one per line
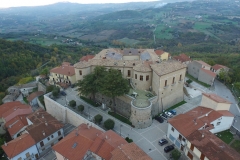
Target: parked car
<point>63,93</point>
<point>159,119</point>
<point>164,116</point>
<point>169,148</point>
<point>173,111</point>
<point>169,114</point>
<point>162,142</point>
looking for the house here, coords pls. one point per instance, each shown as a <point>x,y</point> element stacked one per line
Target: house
<point>183,58</point>
<point>32,98</point>
<point>44,129</point>
<point>206,76</point>
<point>217,68</point>
<point>23,147</point>
<point>9,98</point>
<point>25,89</point>
<point>86,141</point>
<point>215,102</point>
<point>199,118</point>
<point>204,145</point>
<point>63,75</point>
<point>87,57</point>
<point>162,55</point>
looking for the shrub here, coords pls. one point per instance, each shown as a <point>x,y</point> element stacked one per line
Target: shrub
<point>49,88</point>
<point>72,103</point>
<point>81,108</point>
<point>109,124</point>
<point>189,81</point>
<point>55,93</point>
<point>128,140</point>
<point>89,101</point>
<point>176,154</point>
<point>98,118</point>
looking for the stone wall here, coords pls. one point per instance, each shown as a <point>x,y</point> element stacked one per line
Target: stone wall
<point>64,114</point>
<point>42,87</point>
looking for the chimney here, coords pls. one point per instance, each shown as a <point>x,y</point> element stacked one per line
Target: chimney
<point>42,116</point>
<point>5,143</point>
<point>202,135</point>
<point>46,123</point>
<point>43,133</point>
<point>106,137</point>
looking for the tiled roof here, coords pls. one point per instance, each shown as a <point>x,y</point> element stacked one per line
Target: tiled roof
<point>225,113</point>
<point>182,57</point>
<point>131,51</point>
<point>16,124</point>
<point>87,57</point>
<point>211,146</point>
<point>105,143</point>
<point>66,70</point>
<point>218,66</point>
<point>209,72</point>
<point>17,110</point>
<point>8,106</point>
<point>129,151</point>
<point>203,63</point>
<point>216,98</point>
<point>159,52</point>
<point>43,125</point>
<point>75,145</point>
<point>194,119</point>
<point>18,145</point>
<point>166,67</point>
<point>34,95</point>
<point>143,67</point>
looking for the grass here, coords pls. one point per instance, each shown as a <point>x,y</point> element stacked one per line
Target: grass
<point>119,117</point>
<point>194,79</point>
<point>176,105</point>
<point>25,100</point>
<point>89,101</point>
<point>225,136</point>
<point>236,145</point>
<point>163,32</point>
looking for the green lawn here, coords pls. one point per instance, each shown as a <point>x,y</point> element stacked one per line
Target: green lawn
<point>236,145</point>
<point>225,136</point>
<point>194,79</point>
<point>119,117</point>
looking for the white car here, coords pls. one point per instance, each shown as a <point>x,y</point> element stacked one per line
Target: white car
<point>169,114</point>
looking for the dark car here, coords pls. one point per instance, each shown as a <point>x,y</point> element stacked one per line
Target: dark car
<point>63,93</point>
<point>159,119</point>
<point>164,116</point>
<point>162,142</point>
<point>168,148</point>
<point>174,112</point>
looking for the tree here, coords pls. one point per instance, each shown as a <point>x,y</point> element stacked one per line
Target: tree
<point>55,91</point>
<point>113,85</point>
<point>81,108</point>
<point>109,124</point>
<point>72,103</point>
<point>176,154</point>
<point>91,83</point>
<point>223,75</point>
<point>2,140</point>
<point>98,118</point>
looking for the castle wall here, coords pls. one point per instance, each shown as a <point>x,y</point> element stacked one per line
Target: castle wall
<point>143,84</point>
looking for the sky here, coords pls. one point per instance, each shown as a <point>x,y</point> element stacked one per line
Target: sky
<point>17,3</point>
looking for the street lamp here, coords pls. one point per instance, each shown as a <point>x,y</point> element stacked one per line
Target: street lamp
<point>120,129</point>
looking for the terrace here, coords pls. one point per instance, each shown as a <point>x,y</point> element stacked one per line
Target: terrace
<point>140,94</point>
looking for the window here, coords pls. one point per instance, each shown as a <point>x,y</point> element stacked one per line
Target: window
<point>129,73</point>
<point>48,138</point>
<point>27,154</point>
<point>165,83</point>
<point>135,76</point>
<point>202,156</point>
<point>190,156</point>
<point>67,77</point>
<point>141,78</point>
<point>147,77</point>
<point>59,133</point>
<point>180,78</point>
<point>192,147</point>
<point>41,144</point>
<point>119,70</point>
<point>80,72</point>
<point>172,129</point>
<point>218,123</point>
<point>180,137</point>
<point>184,139</point>
<point>52,136</point>
<point>173,80</point>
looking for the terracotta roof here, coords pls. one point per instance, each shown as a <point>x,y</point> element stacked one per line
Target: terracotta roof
<point>211,146</point>
<point>18,110</point>
<point>34,95</point>
<point>218,66</point>
<point>209,72</point>
<point>43,122</point>
<point>18,145</point>
<point>16,124</point>
<point>166,67</point>
<point>106,143</point>
<point>225,113</point>
<point>8,106</point>
<point>75,145</point>
<point>203,63</point>
<point>87,57</point>
<point>64,70</point>
<point>194,119</point>
<point>129,151</point>
<point>216,98</point>
<point>159,52</point>
<point>182,57</point>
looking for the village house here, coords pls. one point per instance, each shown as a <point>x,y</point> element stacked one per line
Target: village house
<point>25,89</point>
<point>32,98</point>
<point>183,58</point>
<point>217,68</point>
<point>86,142</point>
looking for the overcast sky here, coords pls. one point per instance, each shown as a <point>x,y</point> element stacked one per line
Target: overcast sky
<point>16,3</point>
